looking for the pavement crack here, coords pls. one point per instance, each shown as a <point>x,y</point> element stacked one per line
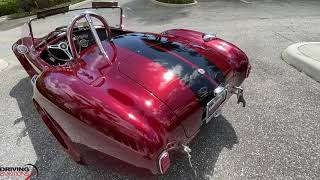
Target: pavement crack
<point>247,2</point>
<point>284,37</point>
<point>21,135</point>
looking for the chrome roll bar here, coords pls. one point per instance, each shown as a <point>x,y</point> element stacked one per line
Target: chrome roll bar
<point>87,16</point>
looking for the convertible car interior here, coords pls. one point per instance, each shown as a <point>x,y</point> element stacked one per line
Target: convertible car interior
<point>52,43</point>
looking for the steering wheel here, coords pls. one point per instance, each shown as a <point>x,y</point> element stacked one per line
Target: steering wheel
<point>62,46</point>
<point>87,16</point>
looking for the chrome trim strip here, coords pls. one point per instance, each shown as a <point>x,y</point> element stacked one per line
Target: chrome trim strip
<point>33,66</point>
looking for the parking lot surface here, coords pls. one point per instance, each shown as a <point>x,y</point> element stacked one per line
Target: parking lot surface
<point>277,136</point>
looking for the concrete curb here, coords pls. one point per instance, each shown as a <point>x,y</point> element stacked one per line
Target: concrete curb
<point>85,3</point>
<point>6,24</point>
<point>173,5</point>
<point>80,4</point>
<point>3,64</point>
<point>13,23</point>
<point>304,57</point>
<point>3,18</point>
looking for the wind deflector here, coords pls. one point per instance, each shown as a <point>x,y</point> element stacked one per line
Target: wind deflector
<point>63,9</point>
<point>42,14</point>
<point>52,11</point>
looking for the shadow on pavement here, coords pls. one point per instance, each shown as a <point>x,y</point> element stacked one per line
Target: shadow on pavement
<point>10,24</point>
<point>206,147</point>
<point>149,14</point>
<point>132,9</point>
<point>53,163</point>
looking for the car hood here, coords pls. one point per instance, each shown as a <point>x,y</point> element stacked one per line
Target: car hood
<point>174,71</point>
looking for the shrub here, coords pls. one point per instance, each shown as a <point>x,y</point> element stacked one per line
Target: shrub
<point>8,7</point>
<point>23,6</point>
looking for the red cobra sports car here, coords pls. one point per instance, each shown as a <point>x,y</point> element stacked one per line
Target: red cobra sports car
<point>133,96</point>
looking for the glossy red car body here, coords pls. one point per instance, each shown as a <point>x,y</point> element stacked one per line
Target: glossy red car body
<point>135,108</point>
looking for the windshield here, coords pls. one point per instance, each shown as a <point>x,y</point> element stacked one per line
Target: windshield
<point>41,27</point>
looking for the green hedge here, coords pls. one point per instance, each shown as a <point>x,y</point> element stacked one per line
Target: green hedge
<point>8,7</point>
<point>15,6</point>
<point>177,1</point>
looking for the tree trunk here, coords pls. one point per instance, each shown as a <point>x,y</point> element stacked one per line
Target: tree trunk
<point>43,4</point>
<point>25,5</point>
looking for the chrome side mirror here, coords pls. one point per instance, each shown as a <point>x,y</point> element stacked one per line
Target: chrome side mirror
<point>22,49</point>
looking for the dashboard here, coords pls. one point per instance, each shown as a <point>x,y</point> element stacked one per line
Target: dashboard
<point>83,39</point>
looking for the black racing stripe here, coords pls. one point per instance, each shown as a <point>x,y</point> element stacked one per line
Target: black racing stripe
<point>198,83</point>
<point>191,55</point>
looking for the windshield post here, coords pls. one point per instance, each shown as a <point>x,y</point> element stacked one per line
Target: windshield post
<point>31,33</point>
<point>121,18</point>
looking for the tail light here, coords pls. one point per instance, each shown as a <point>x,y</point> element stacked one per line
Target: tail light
<point>164,162</point>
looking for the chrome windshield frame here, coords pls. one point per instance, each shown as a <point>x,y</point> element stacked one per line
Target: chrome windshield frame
<point>78,9</point>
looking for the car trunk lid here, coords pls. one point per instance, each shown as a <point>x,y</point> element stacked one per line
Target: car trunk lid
<point>180,77</point>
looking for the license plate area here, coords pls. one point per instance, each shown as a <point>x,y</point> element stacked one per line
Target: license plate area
<point>214,104</point>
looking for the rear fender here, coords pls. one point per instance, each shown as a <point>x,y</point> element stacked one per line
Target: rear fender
<point>216,48</point>
<point>119,118</point>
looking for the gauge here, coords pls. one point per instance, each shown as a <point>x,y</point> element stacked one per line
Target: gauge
<point>84,43</point>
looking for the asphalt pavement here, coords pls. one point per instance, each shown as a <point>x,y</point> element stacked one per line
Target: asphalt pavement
<point>277,136</point>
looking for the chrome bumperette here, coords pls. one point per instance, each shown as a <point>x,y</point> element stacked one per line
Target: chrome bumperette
<point>221,94</point>
<point>217,91</point>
